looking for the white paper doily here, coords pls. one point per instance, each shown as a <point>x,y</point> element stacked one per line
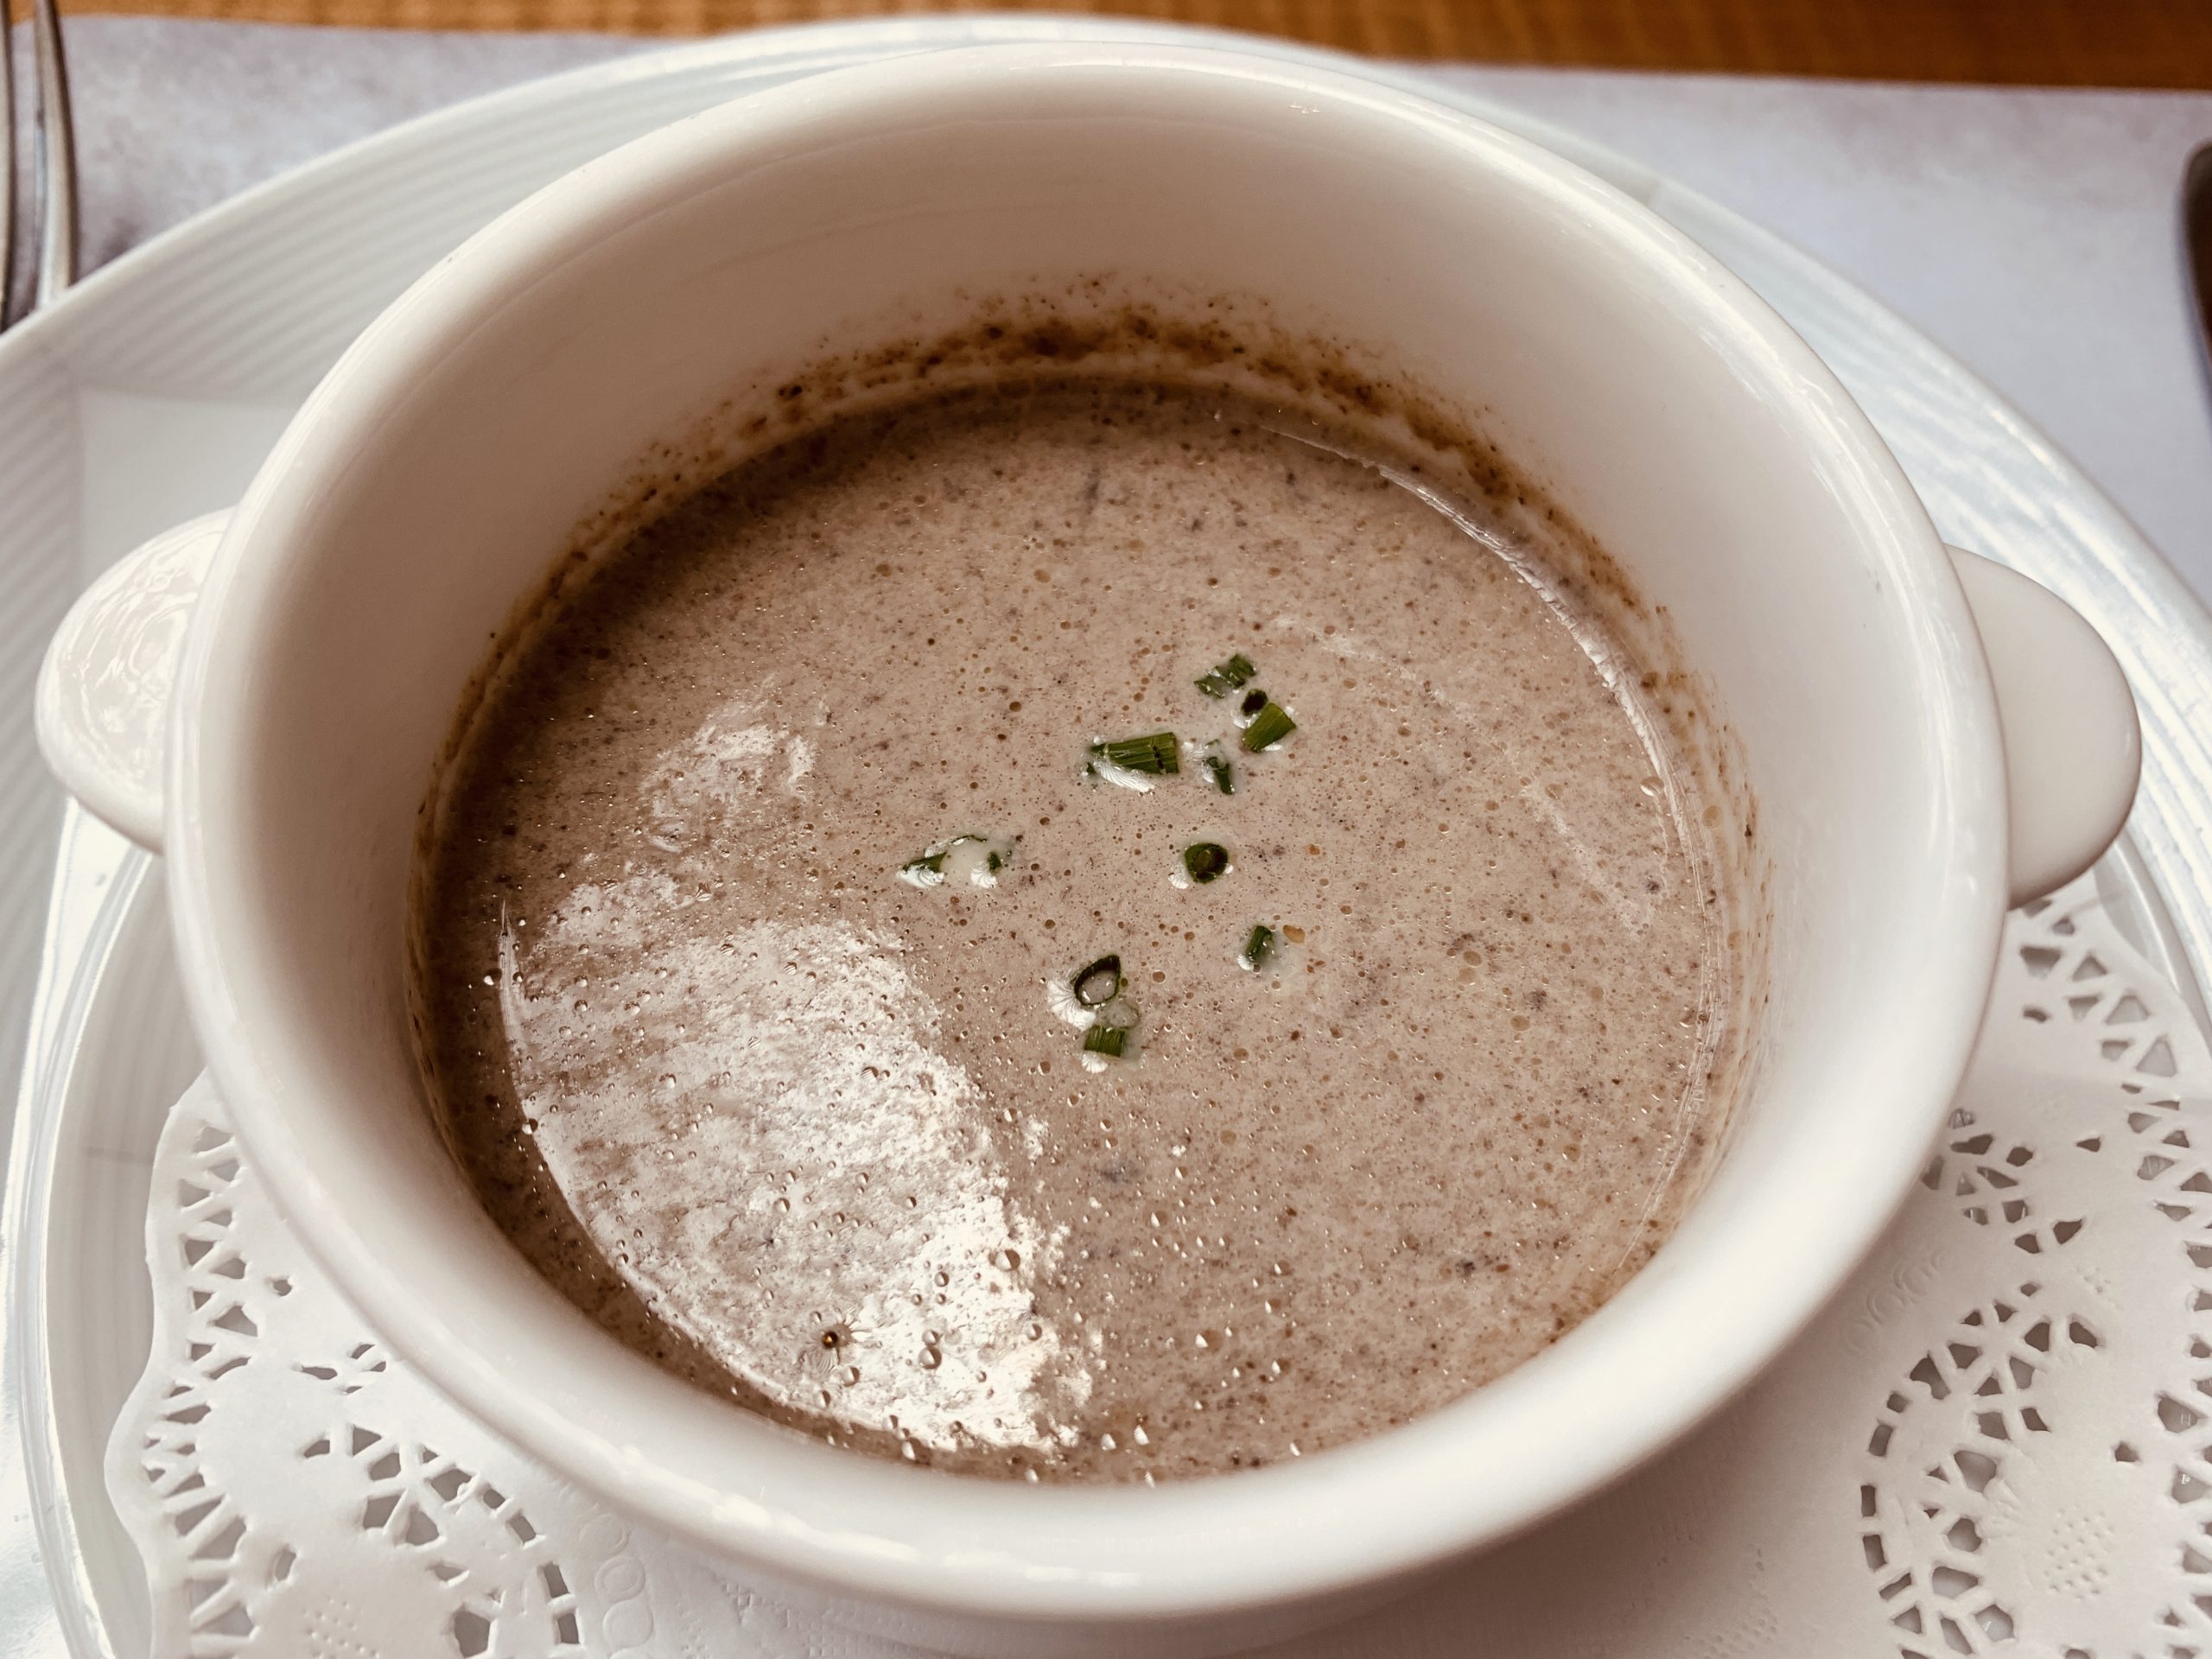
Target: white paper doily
<point>1997,1440</point>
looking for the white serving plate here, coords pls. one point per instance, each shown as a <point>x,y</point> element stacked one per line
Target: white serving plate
<point>152,392</point>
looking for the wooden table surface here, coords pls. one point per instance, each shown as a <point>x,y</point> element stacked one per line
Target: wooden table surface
<point>2056,42</point>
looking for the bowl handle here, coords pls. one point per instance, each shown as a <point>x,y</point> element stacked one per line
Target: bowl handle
<point>103,708</point>
<point>2073,749</point>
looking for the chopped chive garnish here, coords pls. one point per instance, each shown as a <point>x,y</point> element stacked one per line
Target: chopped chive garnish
<point>1268,728</point>
<point>969,860</point>
<point>926,871</point>
<point>1224,775</point>
<point>1156,752</point>
<point>1255,700</point>
<point>1109,1041</point>
<point>1259,945</point>
<point>1099,983</point>
<point>1220,681</point>
<point>1205,861</point>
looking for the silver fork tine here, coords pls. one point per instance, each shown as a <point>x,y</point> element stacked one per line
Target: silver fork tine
<point>56,159</point>
<point>7,164</point>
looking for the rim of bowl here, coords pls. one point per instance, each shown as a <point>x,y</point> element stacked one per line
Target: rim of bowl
<point>1468,1474</point>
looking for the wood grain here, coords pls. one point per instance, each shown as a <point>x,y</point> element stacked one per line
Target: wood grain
<point>2054,42</point>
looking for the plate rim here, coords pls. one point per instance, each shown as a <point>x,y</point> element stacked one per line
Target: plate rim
<point>2158,597</point>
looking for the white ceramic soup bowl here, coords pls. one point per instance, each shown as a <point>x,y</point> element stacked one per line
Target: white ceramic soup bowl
<point>328,633</point>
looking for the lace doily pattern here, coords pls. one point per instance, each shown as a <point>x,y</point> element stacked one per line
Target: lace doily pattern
<point>295,1493</point>
<point>2038,1478</point>
<point>1998,1441</point>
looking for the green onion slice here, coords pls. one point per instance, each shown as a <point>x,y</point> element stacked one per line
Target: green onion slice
<point>1224,775</point>
<point>1156,752</point>
<point>1099,983</point>
<point>1268,728</point>
<point>1205,861</point>
<point>1110,1040</point>
<point>1259,945</point>
<point>1225,677</point>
